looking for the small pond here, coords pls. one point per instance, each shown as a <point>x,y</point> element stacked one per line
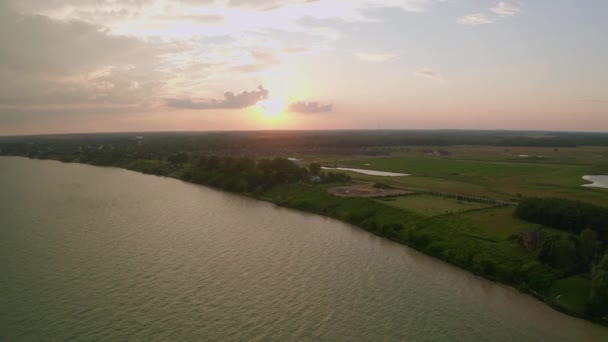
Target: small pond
<point>368,172</point>
<point>598,181</point>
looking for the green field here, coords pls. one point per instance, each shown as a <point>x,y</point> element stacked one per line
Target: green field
<point>499,221</point>
<point>427,205</point>
<point>506,180</point>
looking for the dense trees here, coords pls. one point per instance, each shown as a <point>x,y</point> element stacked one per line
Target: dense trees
<point>589,246</point>
<point>314,168</point>
<point>332,177</point>
<point>572,216</point>
<point>571,254</point>
<point>245,174</point>
<point>212,142</point>
<point>561,252</point>
<point>598,299</point>
<point>178,158</point>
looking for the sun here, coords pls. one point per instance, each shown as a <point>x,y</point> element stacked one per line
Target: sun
<point>272,108</point>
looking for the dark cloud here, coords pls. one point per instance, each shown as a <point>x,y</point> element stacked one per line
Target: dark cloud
<point>310,107</point>
<point>34,42</point>
<point>430,74</point>
<point>231,101</point>
<point>426,73</point>
<point>57,62</point>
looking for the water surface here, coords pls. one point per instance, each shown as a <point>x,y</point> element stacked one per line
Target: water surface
<point>368,172</point>
<point>103,254</point>
<point>598,181</point>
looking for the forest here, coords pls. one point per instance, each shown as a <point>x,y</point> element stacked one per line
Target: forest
<point>564,214</point>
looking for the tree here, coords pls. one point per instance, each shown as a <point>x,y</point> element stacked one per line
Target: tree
<point>572,216</point>
<point>314,168</point>
<point>179,158</point>
<point>598,297</point>
<point>560,251</point>
<point>589,246</point>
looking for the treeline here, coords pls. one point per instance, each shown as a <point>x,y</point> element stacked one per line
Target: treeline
<point>466,198</point>
<point>571,254</point>
<point>598,300</point>
<point>245,174</point>
<point>168,143</point>
<point>568,215</point>
<point>579,250</point>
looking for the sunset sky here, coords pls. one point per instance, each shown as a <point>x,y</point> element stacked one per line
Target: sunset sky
<point>166,65</point>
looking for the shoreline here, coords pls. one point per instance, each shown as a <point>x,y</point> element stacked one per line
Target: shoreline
<point>527,291</point>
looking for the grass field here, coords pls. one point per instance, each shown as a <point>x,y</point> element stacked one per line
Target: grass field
<point>507,180</point>
<point>572,293</point>
<point>499,221</point>
<point>591,155</point>
<point>431,205</point>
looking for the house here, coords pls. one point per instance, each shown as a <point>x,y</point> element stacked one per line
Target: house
<point>315,179</point>
<point>532,238</point>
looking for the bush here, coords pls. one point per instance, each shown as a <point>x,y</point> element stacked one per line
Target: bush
<point>383,186</point>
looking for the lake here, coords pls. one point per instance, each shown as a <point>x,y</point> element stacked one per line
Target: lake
<point>368,172</point>
<point>104,254</point>
<point>598,181</point>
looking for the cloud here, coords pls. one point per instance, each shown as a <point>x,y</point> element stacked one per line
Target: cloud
<point>48,45</point>
<point>144,17</point>
<point>200,18</point>
<point>505,9</point>
<point>231,101</point>
<point>593,101</point>
<point>474,19</point>
<point>502,9</point>
<point>72,62</point>
<point>262,60</point>
<point>310,107</point>
<point>139,56</point>
<point>296,49</point>
<point>375,57</point>
<point>265,5</point>
<point>429,74</point>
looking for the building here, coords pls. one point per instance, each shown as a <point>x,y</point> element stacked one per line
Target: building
<point>532,238</point>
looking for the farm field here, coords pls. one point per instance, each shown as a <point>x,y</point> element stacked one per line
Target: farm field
<point>506,180</point>
<point>554,155</point>
<point>499,221</point>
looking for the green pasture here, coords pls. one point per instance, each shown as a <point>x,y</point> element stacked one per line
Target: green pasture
<point>499,221</point>
<point>496,179</point>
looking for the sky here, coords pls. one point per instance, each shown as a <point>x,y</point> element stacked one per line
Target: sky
<point>198,65</point>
